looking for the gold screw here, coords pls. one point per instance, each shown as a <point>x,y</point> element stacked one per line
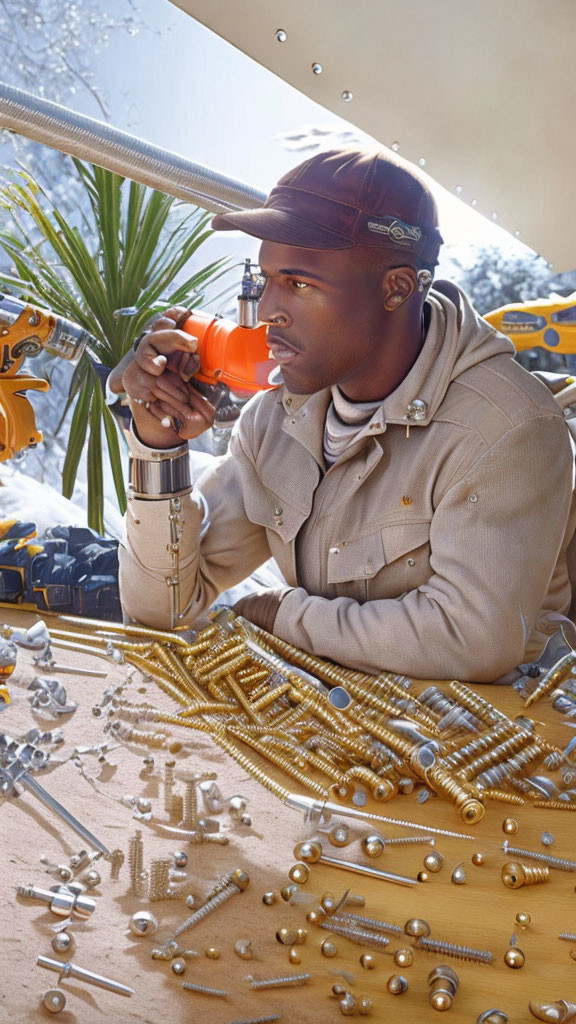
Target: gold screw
<point>294,956</point>
<point>478,859</point>
<point>515,875</point>
<point>212,953</point>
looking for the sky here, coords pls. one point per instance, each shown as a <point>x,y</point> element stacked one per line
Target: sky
<point>180,86</point>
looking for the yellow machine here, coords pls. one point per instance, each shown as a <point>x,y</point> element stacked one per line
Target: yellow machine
<point>544,323</point>
<point>24,331</point>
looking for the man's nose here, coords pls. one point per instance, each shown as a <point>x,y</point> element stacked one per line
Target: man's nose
<point>269,311</point>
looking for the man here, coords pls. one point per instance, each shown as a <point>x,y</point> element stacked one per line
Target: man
<point>411,480</point>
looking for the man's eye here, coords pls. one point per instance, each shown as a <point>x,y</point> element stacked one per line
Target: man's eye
<point>300,284</point>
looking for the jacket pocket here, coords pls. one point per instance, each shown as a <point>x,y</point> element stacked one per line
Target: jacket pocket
<point>383,564</point>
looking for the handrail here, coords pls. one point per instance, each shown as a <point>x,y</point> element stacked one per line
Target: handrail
<point>84,137</point>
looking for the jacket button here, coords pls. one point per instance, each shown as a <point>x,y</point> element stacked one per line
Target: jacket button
<point>410,562</point>
<point>278,511</point>
<point>334,551</point>
<point>278,522</point>
<point>472,498</point>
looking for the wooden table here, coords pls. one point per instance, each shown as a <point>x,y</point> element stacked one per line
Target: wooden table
<point>480,913</point>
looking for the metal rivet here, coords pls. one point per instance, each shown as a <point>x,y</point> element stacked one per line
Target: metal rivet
<point>299,873</point>
<point>423,876</point>
<point>523,919</point>
<point>281,35</point>
<point>458,876</point>
<point>143,923</point>
<point>367,961</point>
<point>514,958</point>
<point>243,949</point>
<point>433,862</point>
<point>212,953</point>
<point>328,948</point>
<point>510,826</point>
<point>472,497</point>
<point>294,956</point>
<point>347,95</point>
<point>53,1000</point>
<point>269,898</point>
<point>317,68</point>
<point>373,845</point>
<point>411,562</point>
<point>404,957</point>
<point>178,966</point>
<point>396,984</point>
<point>395,147</point>
<point>478,859</point>
<point>547,839</point>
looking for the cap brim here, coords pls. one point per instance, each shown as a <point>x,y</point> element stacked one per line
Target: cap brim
<point>277,226</point>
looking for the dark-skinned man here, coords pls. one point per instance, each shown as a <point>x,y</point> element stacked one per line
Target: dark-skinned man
<point>411,480</point>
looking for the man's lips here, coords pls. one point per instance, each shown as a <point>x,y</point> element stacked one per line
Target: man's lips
<point>281,350</point>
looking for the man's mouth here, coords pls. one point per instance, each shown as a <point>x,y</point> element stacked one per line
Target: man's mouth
<point>281,351</point>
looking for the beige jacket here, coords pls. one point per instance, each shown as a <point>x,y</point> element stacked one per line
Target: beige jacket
<point>434,547</point>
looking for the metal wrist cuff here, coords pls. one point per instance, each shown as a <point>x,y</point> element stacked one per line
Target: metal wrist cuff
<point>162,478</point>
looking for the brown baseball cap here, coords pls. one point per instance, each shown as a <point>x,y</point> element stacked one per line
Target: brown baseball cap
<point>342,198</point>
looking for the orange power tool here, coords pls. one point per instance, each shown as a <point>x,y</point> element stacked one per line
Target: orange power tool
<point>24,331</point>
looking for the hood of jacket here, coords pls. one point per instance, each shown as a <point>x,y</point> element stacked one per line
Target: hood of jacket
<point>457,339</point>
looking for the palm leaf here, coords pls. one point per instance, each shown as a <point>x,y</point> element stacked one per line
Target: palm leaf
<point>126,249</point>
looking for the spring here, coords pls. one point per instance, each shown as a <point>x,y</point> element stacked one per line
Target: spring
<point>159,879</point>
<point>401,747</point>
<point>482,956</point>
<point>136,865</point>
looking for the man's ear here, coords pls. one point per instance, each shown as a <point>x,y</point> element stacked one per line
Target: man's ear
<point>398,285</point>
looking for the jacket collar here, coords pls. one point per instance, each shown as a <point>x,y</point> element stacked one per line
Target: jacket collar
<point>457,338</point>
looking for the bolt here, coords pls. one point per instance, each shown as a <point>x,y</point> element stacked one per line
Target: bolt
<point>429,945</point>
<point>443,983</point>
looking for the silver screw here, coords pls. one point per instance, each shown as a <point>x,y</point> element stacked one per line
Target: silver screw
<point>289,979</point>
<point>238,883</point>
<point>410,841</point>
<point>191,987</point>
<point>362,937</point>
<point>257,1020</point>
<point>553,862</point>
<point>451,949</point>
<point>369,922</point>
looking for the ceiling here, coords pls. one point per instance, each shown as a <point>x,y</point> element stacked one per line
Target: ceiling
<point>484,93</point>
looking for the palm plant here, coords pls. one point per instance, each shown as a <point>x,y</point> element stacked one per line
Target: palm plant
<point>141,241</point>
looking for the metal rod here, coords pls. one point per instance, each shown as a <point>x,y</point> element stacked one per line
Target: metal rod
<point>41,794</point>
<point>364,869</point>
<point>327,808</point>
<point>70,970</point>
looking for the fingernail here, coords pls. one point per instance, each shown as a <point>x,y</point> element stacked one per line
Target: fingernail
<point>177,424</point>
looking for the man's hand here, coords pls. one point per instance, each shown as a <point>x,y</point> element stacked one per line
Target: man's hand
<point>166,410</point>
<point>261,608</point>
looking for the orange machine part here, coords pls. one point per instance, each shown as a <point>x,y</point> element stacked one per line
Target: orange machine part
<point>231,355</point>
